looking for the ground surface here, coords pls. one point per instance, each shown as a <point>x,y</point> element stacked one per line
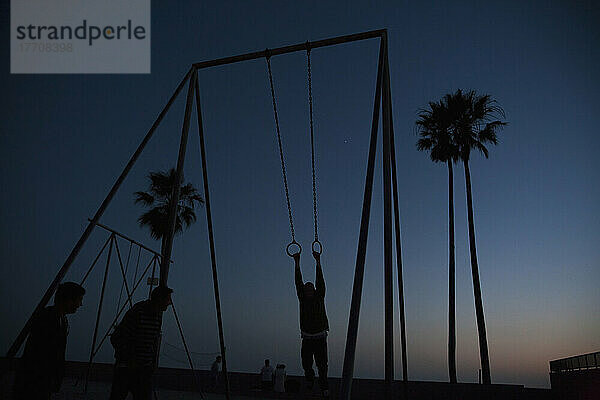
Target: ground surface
<point>179,384</point>
<point>73,390</point>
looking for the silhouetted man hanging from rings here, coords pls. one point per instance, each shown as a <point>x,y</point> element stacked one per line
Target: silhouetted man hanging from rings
<point>313,324</point>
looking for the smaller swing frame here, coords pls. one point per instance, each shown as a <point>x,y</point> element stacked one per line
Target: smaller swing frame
<point>112,242</point>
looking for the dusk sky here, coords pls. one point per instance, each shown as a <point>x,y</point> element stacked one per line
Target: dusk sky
<point>64,139</point>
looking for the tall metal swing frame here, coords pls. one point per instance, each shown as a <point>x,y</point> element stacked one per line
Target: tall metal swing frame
<point>390,192</point>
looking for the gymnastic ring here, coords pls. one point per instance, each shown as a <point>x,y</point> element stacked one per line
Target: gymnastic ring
<point>316,242</point>
<point>292,243</point>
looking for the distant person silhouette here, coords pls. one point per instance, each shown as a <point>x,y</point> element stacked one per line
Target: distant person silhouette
<point>43,362</point>
<point>313,324</point>
<point>266,376</point>
<point>136,341</point>
<point>214,371</point>
<point>279,379</point>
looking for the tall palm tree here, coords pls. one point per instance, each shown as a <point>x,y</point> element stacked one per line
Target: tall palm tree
<point>434,126</point>
<point>158,197</point>
<point>476,123</point>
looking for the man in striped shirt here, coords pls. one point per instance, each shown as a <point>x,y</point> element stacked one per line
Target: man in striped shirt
<point>136,341</point>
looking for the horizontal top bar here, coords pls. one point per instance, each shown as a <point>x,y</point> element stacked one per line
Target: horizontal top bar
<point>127,238</point>
<point>292,48</point>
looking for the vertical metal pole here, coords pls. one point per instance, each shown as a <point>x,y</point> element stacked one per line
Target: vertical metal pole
<point>398,242</point>
<point>211,239</point>
<point>359,271</point>
<point>14,348</point>
<point>166,256</point>
<point>387,227</point>
<point>92,352</point>
<point>153,275</point>
<point>137,263</point>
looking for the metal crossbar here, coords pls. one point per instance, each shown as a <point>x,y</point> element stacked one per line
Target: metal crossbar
<point>291,49</point>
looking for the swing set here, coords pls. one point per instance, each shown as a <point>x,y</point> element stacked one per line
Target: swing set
<point>382,106</point>
<point>113,242</point>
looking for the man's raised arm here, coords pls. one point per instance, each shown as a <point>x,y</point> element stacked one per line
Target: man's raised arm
<point>320,281</point>
<point>298,276</point>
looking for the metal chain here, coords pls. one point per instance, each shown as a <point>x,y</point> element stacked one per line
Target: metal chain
<point>285,184</point>
<point>312,141</point>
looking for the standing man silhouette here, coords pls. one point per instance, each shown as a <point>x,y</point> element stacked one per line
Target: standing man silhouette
<point>136,341</point>
<point>266,376</point>
<point>314,325</point>
<point>214,371</point>
<point>43,362</point>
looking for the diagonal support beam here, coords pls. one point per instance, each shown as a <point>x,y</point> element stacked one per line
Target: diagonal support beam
<point>100,303</point>
<point>89,271</point>
<point>387,226</point>
<point>123,273</point>
<point>213,256</point>
<point>359,271</point>
<point>187,350</point>
<point>168,247</point>
<point>398,245</point>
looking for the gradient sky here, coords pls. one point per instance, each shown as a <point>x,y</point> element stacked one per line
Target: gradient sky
<point>65,138</point>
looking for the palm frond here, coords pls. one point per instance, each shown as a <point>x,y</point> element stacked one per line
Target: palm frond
<point>187,215</point>
<point>162,183</point>
<point>424,144</point>
<point>157,220</point>
<point>434,125</point>
<point>143,198</point>
<point>482,149</point>
<point>474,121</point>
<point>158,197</point>
<point>189,195</point>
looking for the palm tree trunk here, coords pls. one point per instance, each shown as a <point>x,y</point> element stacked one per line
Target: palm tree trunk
<point>483,347</point>
<point>451,280</point>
